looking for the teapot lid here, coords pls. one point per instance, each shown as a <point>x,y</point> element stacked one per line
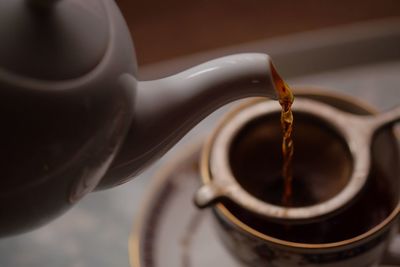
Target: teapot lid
<point>63,40</point>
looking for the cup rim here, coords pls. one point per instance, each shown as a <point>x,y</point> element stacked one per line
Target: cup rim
<point>221,208</point>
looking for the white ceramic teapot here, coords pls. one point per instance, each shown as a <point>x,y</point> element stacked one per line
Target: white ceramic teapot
<point>74,118</point>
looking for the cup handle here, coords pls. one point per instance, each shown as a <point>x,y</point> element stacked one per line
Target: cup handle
<point>207,195</point>
<point>392,256</point>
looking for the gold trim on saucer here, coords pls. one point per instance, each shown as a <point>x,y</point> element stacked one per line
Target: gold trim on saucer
<point>159,179</point>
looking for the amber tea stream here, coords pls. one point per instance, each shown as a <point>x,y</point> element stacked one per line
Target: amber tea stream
<point>286,99</point>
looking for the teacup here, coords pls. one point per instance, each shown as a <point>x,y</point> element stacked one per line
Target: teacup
<point>357,234</point>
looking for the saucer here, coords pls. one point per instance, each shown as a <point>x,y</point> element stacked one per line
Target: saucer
<point>170,231</point>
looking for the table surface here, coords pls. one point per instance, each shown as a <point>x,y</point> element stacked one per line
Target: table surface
<point>96,231</point>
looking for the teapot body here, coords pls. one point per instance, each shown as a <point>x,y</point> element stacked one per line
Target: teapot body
<point>61,125</point>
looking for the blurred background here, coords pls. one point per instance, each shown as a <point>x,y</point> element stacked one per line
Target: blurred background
<point>164,30</point>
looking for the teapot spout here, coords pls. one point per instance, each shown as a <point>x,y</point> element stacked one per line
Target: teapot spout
<point>166,109</point>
